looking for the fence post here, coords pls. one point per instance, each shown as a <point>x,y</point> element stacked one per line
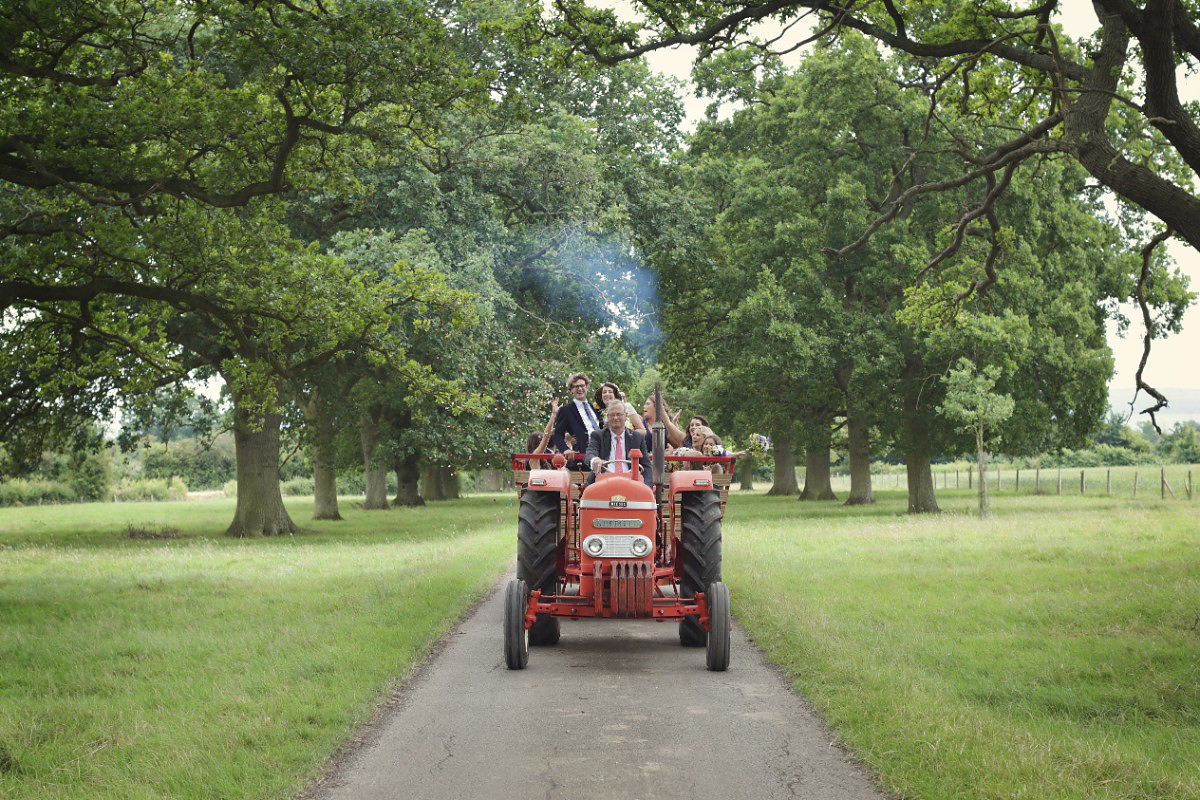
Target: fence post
<point>1081,484</point>
<point>1017,488</point>
<point>970,478</point>
<point>1162,482</point>
<point>997,477</point>
<point>1189,486</point>
<point>1108,483</point>
<point>1135,482</point>
<point>1037,480</point>
<point>958,483</point>
<point>1166,485</point>
<point>1059,491</point>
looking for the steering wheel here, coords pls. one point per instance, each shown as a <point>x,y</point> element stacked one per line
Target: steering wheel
<point>605,465</point>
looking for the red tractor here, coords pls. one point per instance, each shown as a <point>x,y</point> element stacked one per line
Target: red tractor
<point>621,550</point>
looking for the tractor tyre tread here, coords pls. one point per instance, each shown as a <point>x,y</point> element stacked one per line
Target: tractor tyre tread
<point>716,658</point>
<point>700,547</point>
<point>537,556</point>
<point>516,643</point>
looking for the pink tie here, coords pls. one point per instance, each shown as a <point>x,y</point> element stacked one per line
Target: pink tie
<point>619,453</point>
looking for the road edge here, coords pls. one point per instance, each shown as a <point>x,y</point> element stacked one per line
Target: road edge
<point>368,732</point>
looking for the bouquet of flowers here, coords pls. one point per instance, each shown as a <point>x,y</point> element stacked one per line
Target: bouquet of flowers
<point>758,444</point>
<point>715,450</point>
<point>682,451</point>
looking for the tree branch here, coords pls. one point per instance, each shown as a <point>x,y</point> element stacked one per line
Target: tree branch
<point>1139,294</point>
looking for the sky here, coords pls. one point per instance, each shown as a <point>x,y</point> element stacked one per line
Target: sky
<point>1174,361</point>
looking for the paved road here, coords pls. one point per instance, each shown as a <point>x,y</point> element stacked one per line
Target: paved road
<point>615,710</point>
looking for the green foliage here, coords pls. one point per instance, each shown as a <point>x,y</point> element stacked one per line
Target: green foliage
<point>144,229</point>
<point>931,307</point>
<point>150,489</point>
<point>37,491</point>
<point>297,487</point>
<point>1182,444</point>
<point>91,474</point>
<point>971,399</point>
<point>201,465</point>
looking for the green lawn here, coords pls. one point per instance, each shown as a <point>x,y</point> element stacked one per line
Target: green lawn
<point>204,667</point>
<point>1052,652</point>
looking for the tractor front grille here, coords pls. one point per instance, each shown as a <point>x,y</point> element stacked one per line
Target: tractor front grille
<point>632,589</point>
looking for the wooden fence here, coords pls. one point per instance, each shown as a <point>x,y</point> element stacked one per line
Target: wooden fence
<point>1174,481</point>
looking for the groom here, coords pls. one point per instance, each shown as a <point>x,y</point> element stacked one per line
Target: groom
<point>614,443</point>
<point>576,417</point>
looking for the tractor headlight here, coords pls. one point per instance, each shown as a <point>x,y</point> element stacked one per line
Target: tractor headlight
<point>639,546</point>
<point>594,545</point>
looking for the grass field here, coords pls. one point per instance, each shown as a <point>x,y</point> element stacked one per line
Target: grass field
<point>1051,652</point>
<point>204,667</point>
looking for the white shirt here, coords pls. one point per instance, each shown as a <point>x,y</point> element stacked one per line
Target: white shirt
<point>589,416</point>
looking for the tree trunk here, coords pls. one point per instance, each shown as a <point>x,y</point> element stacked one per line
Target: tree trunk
<point>915,440</point>
<point>449,481</point>
<point>260,510</point>
<point>817,483</point>
<point>408,472</point>
<point>921,497</point>
<point>747,473</point>
<point>785,467</point>
<point>431,484</point>
<point>858,430</point>
<point>376,471</point>
<point>491,480</point>
<point>325,501</point>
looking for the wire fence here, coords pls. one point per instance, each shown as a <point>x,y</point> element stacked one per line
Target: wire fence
<point>1171,481</point>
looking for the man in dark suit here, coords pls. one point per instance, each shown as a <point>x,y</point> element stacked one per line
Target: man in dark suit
<point>576,417</point>
<point>614,443</point>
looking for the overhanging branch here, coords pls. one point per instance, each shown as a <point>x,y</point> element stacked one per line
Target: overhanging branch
<point>1139,294</point>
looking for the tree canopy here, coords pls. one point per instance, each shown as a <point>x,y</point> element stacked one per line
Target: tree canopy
<point>400,226</point>
<point>1112,103</point>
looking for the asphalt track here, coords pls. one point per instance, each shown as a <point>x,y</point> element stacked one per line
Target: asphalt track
<point>615,710</point>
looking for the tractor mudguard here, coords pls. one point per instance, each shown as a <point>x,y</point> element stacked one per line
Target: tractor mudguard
<point>691,480</point>
<point>549,480</point>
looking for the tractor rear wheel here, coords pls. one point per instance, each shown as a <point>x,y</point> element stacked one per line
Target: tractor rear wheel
<point>700,547</point>
<point>516,639</point>
<point>537,556</point>
<point>720,624</point>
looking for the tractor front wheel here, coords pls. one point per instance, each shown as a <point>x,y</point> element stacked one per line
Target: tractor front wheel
<point>700,548</point>
<point>516,637</point>
<point>720,627</point>
<point>537,556</point>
